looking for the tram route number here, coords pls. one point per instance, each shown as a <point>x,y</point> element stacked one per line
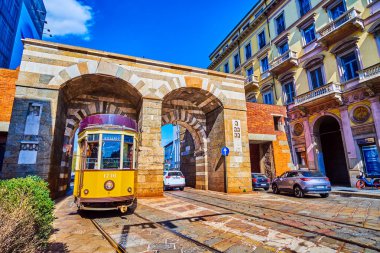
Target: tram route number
<point>236,131</point>
<point>108,176</point>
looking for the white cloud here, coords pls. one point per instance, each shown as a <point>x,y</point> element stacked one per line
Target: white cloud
<point>68,17</point>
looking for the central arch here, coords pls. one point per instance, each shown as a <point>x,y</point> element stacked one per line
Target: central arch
<point>331,156</point>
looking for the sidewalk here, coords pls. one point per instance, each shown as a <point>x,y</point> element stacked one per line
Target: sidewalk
<point>73,233</point>
<point>372,193</point>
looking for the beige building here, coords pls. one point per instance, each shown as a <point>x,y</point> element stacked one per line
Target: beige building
<point>321,60</point>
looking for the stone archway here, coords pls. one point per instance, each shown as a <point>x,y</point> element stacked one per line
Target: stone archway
<point>84,81</point>
<point>198,133</point>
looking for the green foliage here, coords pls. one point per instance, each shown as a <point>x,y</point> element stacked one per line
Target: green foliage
<point>33,191</point>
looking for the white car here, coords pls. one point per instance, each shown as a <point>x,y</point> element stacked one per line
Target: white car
<point>174,179</point>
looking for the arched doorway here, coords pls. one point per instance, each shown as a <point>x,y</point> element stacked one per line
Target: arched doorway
<point>332,157</point>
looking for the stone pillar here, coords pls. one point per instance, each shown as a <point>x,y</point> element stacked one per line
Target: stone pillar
<point>150,157</point>
<point>347,133</point>
<point>309,144</point>
<point>238,161</point>
<point>201,174</point>
<point>375,107</point>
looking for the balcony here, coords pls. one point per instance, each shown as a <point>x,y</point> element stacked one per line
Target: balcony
<point>251,82</point>
<point>323,93</point>
<point>283,62</point>
<point>265,75</point>
<point>370,74</point>
<point>348,23</point>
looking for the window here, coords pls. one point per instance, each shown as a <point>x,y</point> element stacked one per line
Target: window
<point>277,123</point>
<point>128,152</point>
<point>316,77</point>
<point>111,151</point>
<point>91,151</point>
<point>226,68</point>
<point>248,51</point>
<point>337,10</point>
<point>304,6</point>
<point>308,34</point>
<point>251,98</point>
<point>283,48</point>
<point>249,71</point>
<point>349,66</point>
<point>264,64</point>
<point>288,90</point>
<point>292,174</point>
<point>236,61</point>
<point>262,41</point>
<point>280,23</point>
<point>268,97</point>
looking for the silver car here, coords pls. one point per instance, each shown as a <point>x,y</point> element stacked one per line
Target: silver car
<point>301,182</point>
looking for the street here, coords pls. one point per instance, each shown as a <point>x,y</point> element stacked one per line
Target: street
<point>205,221</point>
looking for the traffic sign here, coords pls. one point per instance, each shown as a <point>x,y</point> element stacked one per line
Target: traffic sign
<point>225,151</point>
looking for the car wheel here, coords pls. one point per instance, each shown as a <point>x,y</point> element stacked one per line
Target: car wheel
<point>324,195</point>
<point>298,192</point>
<point>165,188</point>
<point>275,189</point>
<point>266,188</point>
<point>182,188</point>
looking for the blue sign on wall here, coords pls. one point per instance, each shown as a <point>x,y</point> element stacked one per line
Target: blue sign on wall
<point>225,151</point>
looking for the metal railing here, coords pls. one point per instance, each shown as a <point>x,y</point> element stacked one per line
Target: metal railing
<point>335,24</point>
<point>322,91</point>
<point>369,73</point>
<point>250,79</point>
<point>265,74</point>
<point>282,58</point>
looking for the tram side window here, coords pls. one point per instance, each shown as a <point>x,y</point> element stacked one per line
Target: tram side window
<point>92,151</point>
<point>111,151</point>
<point>128,152</point>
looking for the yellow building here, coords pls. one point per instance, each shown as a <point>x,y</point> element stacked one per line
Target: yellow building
<point>321,60</point>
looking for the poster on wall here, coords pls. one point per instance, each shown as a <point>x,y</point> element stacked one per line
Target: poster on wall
<point>371,160</point>
<point>236,131</point>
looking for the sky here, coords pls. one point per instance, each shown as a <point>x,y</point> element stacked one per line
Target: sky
<point>177,31</point>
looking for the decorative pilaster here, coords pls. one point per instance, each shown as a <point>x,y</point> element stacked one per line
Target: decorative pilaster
<point>375,107</point>
<point>347,132</point>
<point>309,144</point>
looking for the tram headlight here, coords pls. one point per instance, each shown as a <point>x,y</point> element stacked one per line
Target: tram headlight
<point>129,189</point>
<point>109,185</point>
<point>86,191</point>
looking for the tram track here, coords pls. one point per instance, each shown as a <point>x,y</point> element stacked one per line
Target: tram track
<point>147,222</point>
<point>280,216</point>
<point>283,211</point>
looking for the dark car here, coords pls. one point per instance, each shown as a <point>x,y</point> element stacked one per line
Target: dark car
<point>260,181</point>
<point>302,182</point>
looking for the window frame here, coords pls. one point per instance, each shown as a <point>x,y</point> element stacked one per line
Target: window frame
<point>287,82</point>
<point>309,80</point>
<point>268,91</point>
<point>248,45</point>
<point>339,56</point>
<point>300,7</point>
<point>236,61</point>
<point>258,39</point>
<point>334,4</point>
<point>279,45</point>
<point>246,71</point>
<point>304,42</point>
<point>226,67</point>
<point>276,22</point>
<point>261,65</point>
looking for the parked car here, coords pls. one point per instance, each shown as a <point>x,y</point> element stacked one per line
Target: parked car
<point>301,182</point>
<point>260,181</point>
<point>174,179</point>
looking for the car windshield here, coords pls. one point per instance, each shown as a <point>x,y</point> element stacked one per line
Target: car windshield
<point>311,174</point>
<point>176,173</point>
<point>258,176</point>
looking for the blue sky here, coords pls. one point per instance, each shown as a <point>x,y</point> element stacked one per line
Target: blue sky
<point>182,32</point>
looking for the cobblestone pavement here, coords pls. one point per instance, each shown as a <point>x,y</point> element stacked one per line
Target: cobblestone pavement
<point>202,221</point>
<point>74,233</point>
<point>238,223</point>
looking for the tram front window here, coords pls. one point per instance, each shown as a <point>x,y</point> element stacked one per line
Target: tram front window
<point>92,151</point>
<point>111,151</point>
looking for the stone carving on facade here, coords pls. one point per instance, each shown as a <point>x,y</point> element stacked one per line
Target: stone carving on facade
<point>360,114</point>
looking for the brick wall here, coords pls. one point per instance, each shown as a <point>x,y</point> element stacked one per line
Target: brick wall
<point>260,121</point>
<point>7,93</point>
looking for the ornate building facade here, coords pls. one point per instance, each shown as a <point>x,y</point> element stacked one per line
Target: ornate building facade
<point>321,60</point>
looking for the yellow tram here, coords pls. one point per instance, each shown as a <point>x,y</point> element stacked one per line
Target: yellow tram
<point>106,163</point>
